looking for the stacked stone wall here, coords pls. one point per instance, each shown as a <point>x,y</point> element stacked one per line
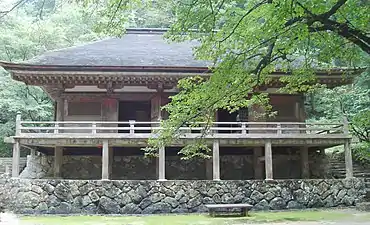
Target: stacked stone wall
<point>143,197</point>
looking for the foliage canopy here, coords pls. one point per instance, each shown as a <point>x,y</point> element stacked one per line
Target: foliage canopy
<point>245,41</point>
<point>29,30</point>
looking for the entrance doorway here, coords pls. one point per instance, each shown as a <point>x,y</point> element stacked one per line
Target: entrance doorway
<point>138,111</point>
<point>225,116</point>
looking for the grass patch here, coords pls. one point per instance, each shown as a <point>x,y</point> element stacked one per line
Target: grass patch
<point>190,219</point>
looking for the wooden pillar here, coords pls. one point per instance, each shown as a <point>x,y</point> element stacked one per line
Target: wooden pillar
<point>297,111</point>
<point>109,112</point>
<point>16,159</point>
<point>216,160</point>
<point>111,160</point>
<point>302,112</point>
<point>162,164</point>
<point>257,165</point>
<point>268,160</point>
<point>208,163</point>
<point>348,159</point>
<point>347,150</point>
<point>156,104</point>
<point>59,112</point>
<point>305,167</point>
<point>16,148</point>
<point>60,109</point>
<point>58,161</point>
<point>105,161</point>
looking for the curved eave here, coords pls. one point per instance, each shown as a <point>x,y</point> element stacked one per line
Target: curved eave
<point>48,74</point>
<point>68,68</point>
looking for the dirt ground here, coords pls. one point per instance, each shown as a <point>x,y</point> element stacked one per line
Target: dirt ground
<point>306,217</point>
<point>355,218</point>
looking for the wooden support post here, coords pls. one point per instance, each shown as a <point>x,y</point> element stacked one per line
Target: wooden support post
<point>60,109</point>
<point>348,159</point>
<point>111,160</point>
<point>16,159</point>
<point>297,111</point>
<point>58,161</point>
<point>305,167</point>
<point>257,165</point>
<point>105,161</point>
<point>162,164</point>
<point>268,160</point>
<point>18,124</point>
<point>59,113</point>
<point>216,160</point>
<point>347,150</point>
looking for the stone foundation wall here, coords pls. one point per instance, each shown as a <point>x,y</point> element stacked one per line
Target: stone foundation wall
<point>142,197</point>
<point>233,167</point>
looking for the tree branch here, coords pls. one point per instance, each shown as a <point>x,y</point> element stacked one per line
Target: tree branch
<point>266,60</point>
<point>242,18</point>
<point>4,13</point>
<point>333,9</point>
<point>41,9</point>
<point>115,12</point>
<point>355,36</point>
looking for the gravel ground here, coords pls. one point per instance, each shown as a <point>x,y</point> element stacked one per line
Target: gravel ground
<point>354,218</point>
<point>317,223</point>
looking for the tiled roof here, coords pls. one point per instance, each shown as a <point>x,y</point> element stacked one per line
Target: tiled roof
<point>133,49</point>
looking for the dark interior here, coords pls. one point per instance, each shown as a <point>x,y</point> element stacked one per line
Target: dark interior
<point>170,151</point>
<point>138,111</point>
<point>225,116</point>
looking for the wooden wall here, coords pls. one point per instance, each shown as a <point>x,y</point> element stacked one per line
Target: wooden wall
<point>99,107</point>
<point>290,108</point>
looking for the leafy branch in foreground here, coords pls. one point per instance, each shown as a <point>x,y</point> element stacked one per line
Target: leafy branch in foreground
<point>247,40</point>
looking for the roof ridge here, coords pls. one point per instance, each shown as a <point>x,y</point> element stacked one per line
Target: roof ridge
<point>146,30</point>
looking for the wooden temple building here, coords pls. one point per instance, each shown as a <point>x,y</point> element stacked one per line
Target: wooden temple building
<point>108,96</point>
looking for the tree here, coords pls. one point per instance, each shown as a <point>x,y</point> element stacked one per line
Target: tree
<point>351,101</point>
<point>245,41</point>
<point>24,34</point>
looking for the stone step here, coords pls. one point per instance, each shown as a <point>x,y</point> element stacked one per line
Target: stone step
<point>358,171</point>
<point>354,172</point>
<point>354,167</point>
<point>343,171</point>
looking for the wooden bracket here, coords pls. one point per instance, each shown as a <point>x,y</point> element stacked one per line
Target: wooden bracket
<point>110,87</point>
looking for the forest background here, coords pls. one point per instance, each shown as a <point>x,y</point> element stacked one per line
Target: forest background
<point>32,27</point>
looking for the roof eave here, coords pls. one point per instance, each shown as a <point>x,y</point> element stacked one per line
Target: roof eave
<point>87,68</point>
